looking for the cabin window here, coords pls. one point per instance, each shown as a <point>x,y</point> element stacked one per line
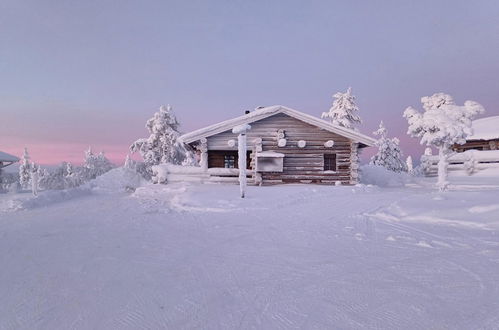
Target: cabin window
<point>226,159</point>
<point>329,162</point>
<point>229,161</point>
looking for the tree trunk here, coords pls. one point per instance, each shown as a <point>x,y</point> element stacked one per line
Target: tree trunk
<point>442,168</point>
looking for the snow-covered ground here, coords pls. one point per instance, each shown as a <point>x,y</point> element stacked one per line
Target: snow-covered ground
<point>187,256</point>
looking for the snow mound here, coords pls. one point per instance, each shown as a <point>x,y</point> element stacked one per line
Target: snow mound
<point>118,179</point>
<point>380,176</point>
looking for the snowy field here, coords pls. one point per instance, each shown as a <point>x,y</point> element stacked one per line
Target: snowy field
<point>294,256</point>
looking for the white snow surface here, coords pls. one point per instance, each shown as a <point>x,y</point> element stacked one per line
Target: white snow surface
<point>188,256</point>
<point>485,129</point>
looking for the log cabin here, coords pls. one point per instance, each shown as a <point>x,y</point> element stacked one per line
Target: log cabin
<point>284,146</point>
<point>485,135</point>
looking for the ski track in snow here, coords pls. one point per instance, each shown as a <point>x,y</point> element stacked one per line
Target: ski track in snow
<point>284,258</point>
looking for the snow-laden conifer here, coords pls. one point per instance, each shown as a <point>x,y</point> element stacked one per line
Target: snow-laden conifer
<point>162,145</point>
<point>389,154</point>
<point>442,124</point>
<point>25,170</point>
<point>344,110</point>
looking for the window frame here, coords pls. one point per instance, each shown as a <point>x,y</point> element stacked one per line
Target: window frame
<point>330,162</point>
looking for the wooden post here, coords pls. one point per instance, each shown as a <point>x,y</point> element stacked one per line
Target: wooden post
<point>241,147</point>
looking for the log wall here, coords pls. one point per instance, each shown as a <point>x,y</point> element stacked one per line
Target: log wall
<point>300,164</point>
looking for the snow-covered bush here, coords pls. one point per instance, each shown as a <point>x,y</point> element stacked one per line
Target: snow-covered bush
<point>442,124</point>
<point>470,164</point>
<point>162,145</point>
<point>343,111</point>
<point>382,177</point>
<point>389,154</point>
<point>25,170</point>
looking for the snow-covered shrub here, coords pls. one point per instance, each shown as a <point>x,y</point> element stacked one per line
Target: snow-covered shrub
<point>442,124</point>
<point>470,164</point>
<point>389,154</point>
<point>382,177</point>
<point>8,180</point>
<point>343,111</point>
<point>162,145</point>
<point>25,170</point>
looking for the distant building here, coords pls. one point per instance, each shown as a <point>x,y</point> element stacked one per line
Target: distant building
<point>7,159</point>
<point>485,135</point>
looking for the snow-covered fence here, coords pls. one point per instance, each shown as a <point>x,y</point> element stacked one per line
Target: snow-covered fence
<point>178,173</point>
<point>470,161</point>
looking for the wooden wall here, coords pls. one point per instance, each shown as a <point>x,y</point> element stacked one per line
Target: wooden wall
<point>300,164</point>
<point>477,145</point>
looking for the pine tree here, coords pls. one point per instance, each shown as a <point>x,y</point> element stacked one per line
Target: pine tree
<point>25,170</point>
<point>162,146</point>
<point>343,112</point>
<point>389,154</point>
<point>442,124</point>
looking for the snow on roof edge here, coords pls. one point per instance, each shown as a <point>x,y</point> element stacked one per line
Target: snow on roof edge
<point>267,112</point>
<point>486,128</point>
<point>5,157</point>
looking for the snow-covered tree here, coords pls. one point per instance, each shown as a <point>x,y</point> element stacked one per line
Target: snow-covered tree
<point>94,165</point>
<point>344,110</point>
<point>389,154</point>
<point>408,162</point>
<point>442,124</point>
<point>129,163</point>
<point>25,170</point>
<point>162,145</point>
<point>34,179</point>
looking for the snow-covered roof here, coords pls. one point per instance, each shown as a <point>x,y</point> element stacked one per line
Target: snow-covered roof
<point>270,111</point>
<point>485,129</point>
<point>5,157</point>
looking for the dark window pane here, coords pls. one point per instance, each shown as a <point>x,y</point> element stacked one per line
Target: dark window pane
<point>329,162</point>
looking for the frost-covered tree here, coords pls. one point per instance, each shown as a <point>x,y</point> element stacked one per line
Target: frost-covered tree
<point>442,124</point>
<point>94,165</point>
<point>389,154</point>
<point>129,163</point>
<point>344,110</point>
<point>408,162</point>
<point>25,170</point>
<point>34,179</point>
<point>162,145</point>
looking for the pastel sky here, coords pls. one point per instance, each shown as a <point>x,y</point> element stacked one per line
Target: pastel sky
<point>80,73</point>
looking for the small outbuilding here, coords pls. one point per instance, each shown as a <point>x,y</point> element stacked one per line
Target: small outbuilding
<point>7,159</point>
<point>284,146</point>
<point>485,135</point>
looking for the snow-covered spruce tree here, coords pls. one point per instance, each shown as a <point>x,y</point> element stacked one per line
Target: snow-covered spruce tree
<point>442,124</point>
<point>344,110</point>
<point>162,145</point>
<point>25,170</point>
<point>389,155</point>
